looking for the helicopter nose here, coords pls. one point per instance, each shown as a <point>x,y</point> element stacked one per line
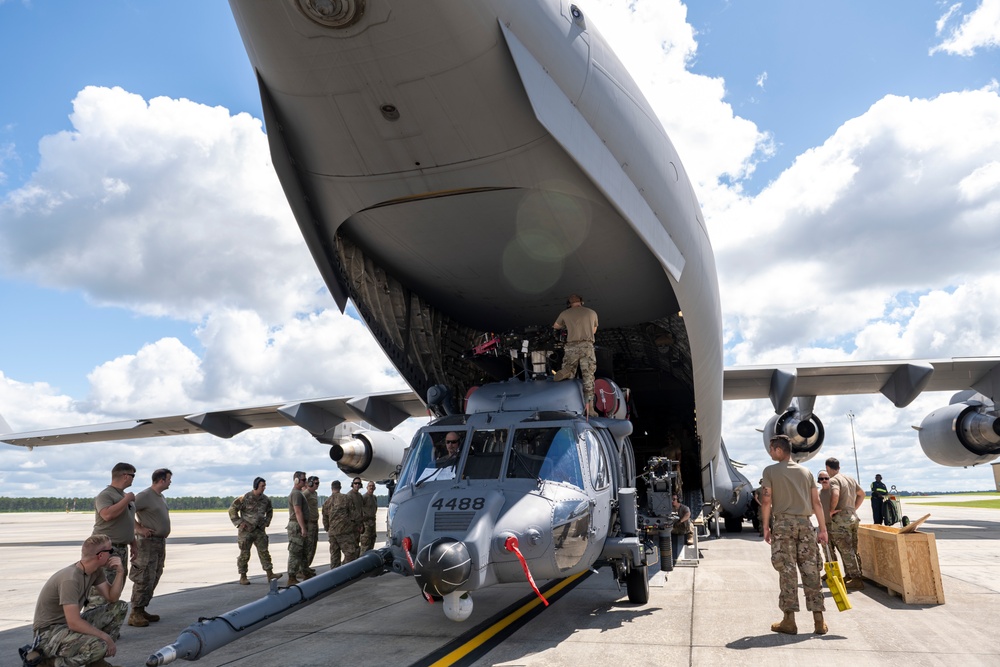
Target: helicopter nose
<point>442,566</point>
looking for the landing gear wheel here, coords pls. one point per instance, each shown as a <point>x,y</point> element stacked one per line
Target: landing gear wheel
<point>637,584</point>
<point>734,524</point>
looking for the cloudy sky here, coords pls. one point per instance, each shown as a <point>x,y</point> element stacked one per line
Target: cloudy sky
<point>847,157</point>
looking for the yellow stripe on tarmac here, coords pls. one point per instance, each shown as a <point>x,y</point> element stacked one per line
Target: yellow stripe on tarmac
<point>499,626</point>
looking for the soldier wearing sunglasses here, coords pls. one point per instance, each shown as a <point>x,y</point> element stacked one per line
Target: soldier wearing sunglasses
<point>60,629</point>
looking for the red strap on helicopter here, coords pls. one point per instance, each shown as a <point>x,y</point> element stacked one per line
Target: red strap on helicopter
<point>511,545</point>
<point>407,545</point>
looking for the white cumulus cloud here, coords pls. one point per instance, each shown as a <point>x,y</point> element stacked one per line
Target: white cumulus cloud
<point>979,29</point>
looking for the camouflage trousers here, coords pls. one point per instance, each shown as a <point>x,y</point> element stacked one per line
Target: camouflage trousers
<point>682,528</point>
<point>258,538</point>
<point>794,550</point>
<point>312,538</point>
<point>146,569</point>
<point>346,542</point>
<point>368,537</point>
<point>579,355</point>
<point>843,530</point>
<point>297,552</point>
<point>74,649</point>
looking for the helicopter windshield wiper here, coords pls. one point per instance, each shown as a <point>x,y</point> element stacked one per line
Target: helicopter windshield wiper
<point>519,458</point>
<point>444,464</point>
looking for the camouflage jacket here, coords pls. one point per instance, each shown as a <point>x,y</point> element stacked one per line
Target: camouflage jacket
<point>312,507</point>
<point>255,511</point>
<point>369,507</point>
<point>340,515</point>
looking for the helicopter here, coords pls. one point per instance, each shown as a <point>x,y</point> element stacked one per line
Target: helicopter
<point>522,485</point>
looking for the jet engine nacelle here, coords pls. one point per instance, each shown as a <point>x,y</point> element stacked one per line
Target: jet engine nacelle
<point>373,454</point>
<point>965,433</point>
<point>806,433</point>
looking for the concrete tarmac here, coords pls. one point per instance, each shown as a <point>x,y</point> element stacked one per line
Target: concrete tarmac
<point>716,613</point>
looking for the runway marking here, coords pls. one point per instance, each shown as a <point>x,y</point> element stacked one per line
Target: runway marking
<point>471,645</point>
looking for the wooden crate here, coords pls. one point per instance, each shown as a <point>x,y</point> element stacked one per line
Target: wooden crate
<point>904,562</point>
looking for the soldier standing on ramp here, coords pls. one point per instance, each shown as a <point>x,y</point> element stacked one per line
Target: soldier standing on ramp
<point>790,494</point>
<point>251,514</point>
<point>580,324</point>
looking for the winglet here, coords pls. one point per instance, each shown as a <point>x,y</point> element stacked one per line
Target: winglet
<point>4,426</point>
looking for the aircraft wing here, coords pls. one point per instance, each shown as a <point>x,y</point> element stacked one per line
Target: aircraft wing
<point>319,416</point>
<point>899,381</point>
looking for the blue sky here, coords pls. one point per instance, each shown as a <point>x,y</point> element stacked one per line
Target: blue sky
<point>824,62</point>
<point>857,140</point>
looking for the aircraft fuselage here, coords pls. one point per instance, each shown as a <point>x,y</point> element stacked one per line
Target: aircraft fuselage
<point>459,168</point>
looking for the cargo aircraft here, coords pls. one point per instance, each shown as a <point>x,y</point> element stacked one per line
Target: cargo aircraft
<point>457,169</point>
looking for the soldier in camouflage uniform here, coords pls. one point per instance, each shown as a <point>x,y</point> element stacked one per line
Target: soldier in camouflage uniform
<point>580,324</point>
<point>846,497</point>
<point>72,639</point>
<point>342,523</point>
<point>298,531</point>
<point>312,521</point>
<point>354,495</point>
<point>369,510</point>
<point>251,514</point>
<point>790,498</point>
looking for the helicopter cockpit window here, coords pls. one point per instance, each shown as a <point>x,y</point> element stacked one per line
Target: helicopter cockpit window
<point>600,471</point>
<point>433,456</point>
<point>545,453</point>
<point>485,454</point>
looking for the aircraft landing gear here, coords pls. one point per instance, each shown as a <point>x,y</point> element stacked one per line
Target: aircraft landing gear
<point>637,584</point>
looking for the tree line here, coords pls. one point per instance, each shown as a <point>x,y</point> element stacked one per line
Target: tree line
<point>53,504</point>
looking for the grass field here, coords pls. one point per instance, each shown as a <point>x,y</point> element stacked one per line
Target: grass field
<point>984,503</point>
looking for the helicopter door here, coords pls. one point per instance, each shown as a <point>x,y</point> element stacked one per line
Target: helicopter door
<point>599,477</point>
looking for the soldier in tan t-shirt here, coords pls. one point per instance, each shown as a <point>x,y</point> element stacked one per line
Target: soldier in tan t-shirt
<point>152,526</point>
<point>81,639</point>
<point>846,497</point>
<point>580,324</point>
<point>114,515</point>
<point>790,498</point>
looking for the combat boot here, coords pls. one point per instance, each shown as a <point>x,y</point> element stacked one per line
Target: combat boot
<point>292,581</point>
<point>787,624</point>
<point>243,579</point>
<point>271,575</point>
<point>152,618</point>
<point>136,619</point>
<point>820,624</point>
<point>854,584</point>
